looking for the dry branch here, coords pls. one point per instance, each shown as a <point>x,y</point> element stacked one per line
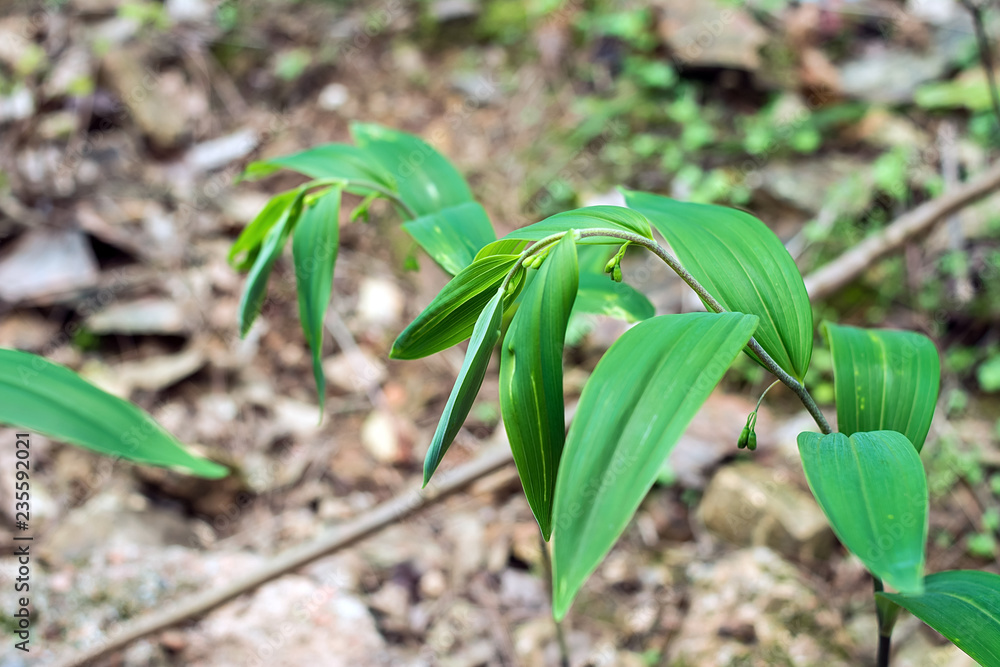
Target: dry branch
<point>828,279</point>
<point>386,514</point>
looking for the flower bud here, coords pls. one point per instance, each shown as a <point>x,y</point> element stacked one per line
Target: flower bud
<point>744,437</point>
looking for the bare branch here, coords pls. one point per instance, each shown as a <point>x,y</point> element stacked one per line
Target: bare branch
<point>828,279</point>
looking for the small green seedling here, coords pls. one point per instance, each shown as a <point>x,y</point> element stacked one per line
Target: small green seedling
<point>584,485</point>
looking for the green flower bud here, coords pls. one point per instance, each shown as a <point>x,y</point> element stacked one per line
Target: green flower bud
<point>744,437</point>
<point>612,263</point>
<point>752,441</point>
<point>616,275</point>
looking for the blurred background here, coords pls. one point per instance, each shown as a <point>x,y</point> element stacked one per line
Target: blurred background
<point>123,128</point>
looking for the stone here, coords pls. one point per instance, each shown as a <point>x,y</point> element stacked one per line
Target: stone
<point>748,504</point>
<point>286,623</point>
<point>333,96</point>
<point>807,184</point>
<point>17,105</point>
<point>105,523</point>
<point>380,302</point>
<point>47,265</point>
<point>140,89</point>
<point>25,330</point>
<point>217,153</point>
<point>711,34</point>
<point>380,436</point>
<point>751,607</point>
<point>144,316</point>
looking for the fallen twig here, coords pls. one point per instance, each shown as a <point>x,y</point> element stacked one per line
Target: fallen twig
<point>829,278</point>
<point>388,513</point>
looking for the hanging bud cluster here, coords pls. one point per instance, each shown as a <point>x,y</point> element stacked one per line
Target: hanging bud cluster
<point>748,437</point>
<point>614,265</point>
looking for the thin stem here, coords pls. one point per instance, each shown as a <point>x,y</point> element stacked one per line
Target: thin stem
<point>884,648</point>
<point>712,303</point>
<point>367,185</point>
<point>560,635</point>
<point>985,54</point>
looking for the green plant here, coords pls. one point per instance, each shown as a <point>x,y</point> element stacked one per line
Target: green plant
<point>584,486</point>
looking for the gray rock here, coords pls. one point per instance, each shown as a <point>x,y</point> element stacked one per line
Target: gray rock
<point>289,622</point>
<point>748,504</point>
<point>47,265</point>
<point>143,316</point>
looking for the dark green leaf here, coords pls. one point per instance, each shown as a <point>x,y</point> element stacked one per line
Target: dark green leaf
<point>327,161</point>
<point>253,234</point>
<point>314,249</point>
<point>38,395</point>
<point>590,217</point>
<point>270,250</point>
<point>873,490</point>
<point>744,266</point>
<point>424,179</point>
<point>454,235</point>
<point>531,388</point>
<point>451,316</point>
<point>634,408</point>
<point>600,295</point>
<point>470,379</point>
<point>884,380</point>
<point>964,606</point>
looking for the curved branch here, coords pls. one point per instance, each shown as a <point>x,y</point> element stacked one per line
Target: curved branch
<point>713,303</point>
<point>400,507</point>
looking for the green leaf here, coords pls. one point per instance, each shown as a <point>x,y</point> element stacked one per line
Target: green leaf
<point>964,606</point>
<point>873,490</point>
<point>531,388</point>
<point>327,161</point>
<point>502,247</point>
<point>454,235</point>
<point>451,316</point>
<point>600,295</point>
<point>470,379</point>
<point>314,249</point>
<point>270,250</point>
<point>253,234</point>
<point>424,179</point>
<point>590,217</point>
<point>637,403</point>
<point>744,266</point>
<point>884,380</point>
<point>41,396</point>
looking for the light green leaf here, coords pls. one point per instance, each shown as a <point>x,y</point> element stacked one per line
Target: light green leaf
<point>590,217</point>
<point>964,606</point>
<point>270,250</point>
<point>873,490</point>
<point>243,253</point>
<point>454,235</point>
<point>424,179</point>
<point>314,248</point>
<point>470,379</point>
<point>40,396</point>
<point>634,408</point>
<point>502,247</point>
<point>531,388</point>
<point>451,316</point>
<point>884,380</point>
<point>600,295</point>
<point>744,266</point>
<point>327,161</point>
